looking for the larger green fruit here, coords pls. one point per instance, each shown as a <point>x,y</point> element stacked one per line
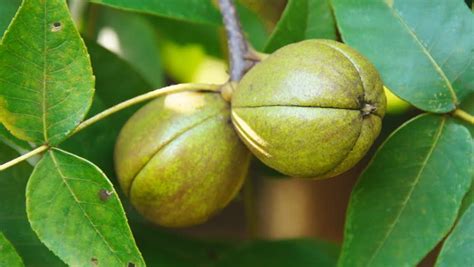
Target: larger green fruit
<point>179,160</point>
<point>311,109</point>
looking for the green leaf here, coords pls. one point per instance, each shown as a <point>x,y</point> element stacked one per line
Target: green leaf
<point>253,26</point>
<point>423,49</point>
<point>8,10</point>
<point>8,255</point>
<point>75,211</point>
<point>468,200</point>
<point>13,220</point>
<point>408,197</point>
<point>46,81</point>
<point>211,37</point>
<point>303,19</point>
<point>292,252</point>
<point>12,141</point>
<point>139,50</point>
<point>116,81</point>
<point>202,11</point>
<point>459,246</point>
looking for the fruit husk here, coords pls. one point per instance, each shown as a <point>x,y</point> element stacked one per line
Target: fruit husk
<point>311,109</point>
<point>179,160</point>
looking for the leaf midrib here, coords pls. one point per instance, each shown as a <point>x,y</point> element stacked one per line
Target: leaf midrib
<point>425,51</point>
<point>43,102</point>
<point>63,177</point>
<point>436,138</point>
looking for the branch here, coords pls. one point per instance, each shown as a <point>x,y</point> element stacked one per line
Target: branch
<point>463,115</point>
<point>147,96</point>
<point>23,157</point>
<point>237,44</point>
<point>130,102</point>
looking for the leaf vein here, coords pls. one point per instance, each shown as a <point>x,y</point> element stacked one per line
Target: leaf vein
<point>426,52</point>
<point>410,192</point>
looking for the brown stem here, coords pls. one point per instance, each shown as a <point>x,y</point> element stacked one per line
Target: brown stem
<point>237,44</point>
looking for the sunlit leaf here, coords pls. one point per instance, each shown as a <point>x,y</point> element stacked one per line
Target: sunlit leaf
<point>76,212</point>
<point>46,82</point>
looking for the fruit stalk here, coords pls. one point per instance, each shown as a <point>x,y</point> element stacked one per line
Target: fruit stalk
<point>130,102</point>
<point>463,115</point>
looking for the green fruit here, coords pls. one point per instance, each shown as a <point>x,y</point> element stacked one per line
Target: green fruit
<point>179,160</point>
<point>311,109</point>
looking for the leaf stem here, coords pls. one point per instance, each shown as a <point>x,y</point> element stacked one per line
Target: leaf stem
<point>130,102</point>
<point>463,115</point>
<point>144,97</point>
<point>23,157</point>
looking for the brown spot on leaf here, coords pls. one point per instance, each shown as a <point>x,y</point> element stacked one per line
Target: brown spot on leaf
<point>104,194</point>
<point>131,264</point>
<point>95,262</point>
<point>56,26</point>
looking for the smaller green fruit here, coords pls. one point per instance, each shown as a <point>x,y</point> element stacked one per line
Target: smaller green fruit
<point>179,159</point>
<point>311,109</point>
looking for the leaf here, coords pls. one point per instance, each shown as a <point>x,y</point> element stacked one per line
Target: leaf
<point>253,27</point>
<point>12,141</point>
<point>116,81</point>
<point>8,255</point>
<point>423,49</point>
<point>138,43</point>
<point>202,11</point>
<point>459,246</point>
<point>75,211</point>
<point>13,220</point>
<point>292,252</point>
<point>408,197</point>
<point>468,106</point>
<point>46,82</point>
<point>9,7</point>
<point>468,200</point>
<point>301,20</point>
